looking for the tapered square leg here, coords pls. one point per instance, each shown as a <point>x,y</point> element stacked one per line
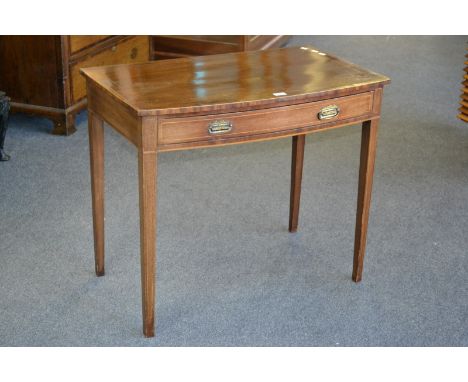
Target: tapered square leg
<point>297,162</point>
<point>96,151</point>
<point>366,173</point>
<point>147,169</point>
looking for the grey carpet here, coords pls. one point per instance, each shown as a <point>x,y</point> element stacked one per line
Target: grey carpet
<point>228,272</point>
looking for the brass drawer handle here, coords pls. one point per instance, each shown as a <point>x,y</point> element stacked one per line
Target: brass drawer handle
<point>328,112</point>
<point>134,53</point>
<point>219,127</point>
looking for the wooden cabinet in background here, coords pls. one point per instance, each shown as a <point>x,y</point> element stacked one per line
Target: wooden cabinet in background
<point>42,76</point>
<point>163,47</point>
<point>41,73</point>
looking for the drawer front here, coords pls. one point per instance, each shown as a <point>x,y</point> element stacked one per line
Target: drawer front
<point>80,42</point>
<point>231,125</point>
<point>133,50</point>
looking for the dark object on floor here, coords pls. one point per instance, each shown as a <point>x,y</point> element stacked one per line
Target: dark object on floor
<point>4,109</point>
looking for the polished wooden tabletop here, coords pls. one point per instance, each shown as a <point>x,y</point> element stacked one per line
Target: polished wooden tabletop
<point>274,76</point>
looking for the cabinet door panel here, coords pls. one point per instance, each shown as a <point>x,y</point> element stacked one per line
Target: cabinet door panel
<point>78,43</point>
<point>132,50</point>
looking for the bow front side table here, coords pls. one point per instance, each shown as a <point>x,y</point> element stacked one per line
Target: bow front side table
<point>224,99</point>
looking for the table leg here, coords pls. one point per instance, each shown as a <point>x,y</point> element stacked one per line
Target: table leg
<point>297,161</point>
<point>366,172</point>
<point>147,170</point>
<point>96,150</point>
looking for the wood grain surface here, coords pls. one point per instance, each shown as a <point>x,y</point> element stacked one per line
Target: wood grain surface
<point>214,83</point>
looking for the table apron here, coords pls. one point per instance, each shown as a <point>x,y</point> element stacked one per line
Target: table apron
<point>219,129</point>
<point>266,136</point>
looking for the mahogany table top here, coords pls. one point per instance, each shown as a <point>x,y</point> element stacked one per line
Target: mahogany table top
<point>260,78</point>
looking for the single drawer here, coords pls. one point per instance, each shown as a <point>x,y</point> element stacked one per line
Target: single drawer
<point>78,43</point>
<point>132,50</point>
<point>231,125</point>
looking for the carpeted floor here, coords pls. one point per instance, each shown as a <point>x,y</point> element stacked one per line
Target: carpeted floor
<point>229,273</point>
